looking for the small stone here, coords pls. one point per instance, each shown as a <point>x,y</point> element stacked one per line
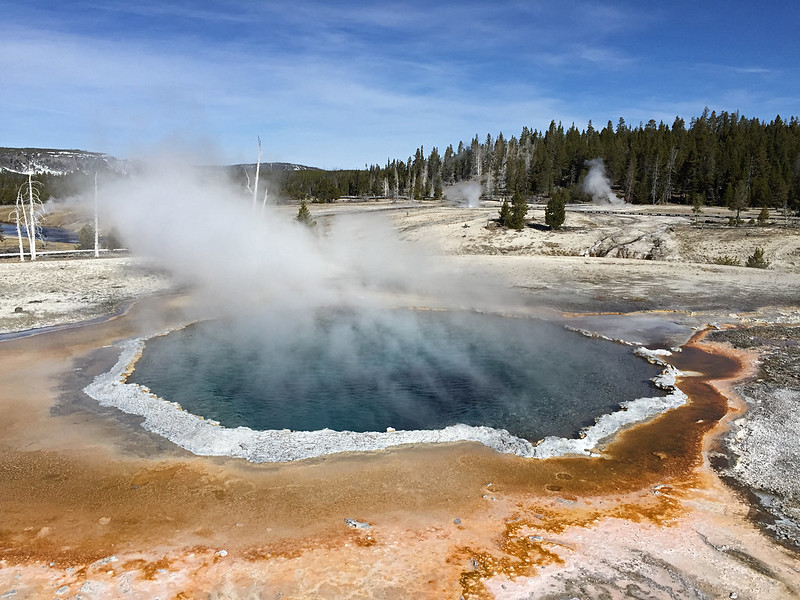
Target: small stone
<point>357,524</point>
<point>9,594</point>
<point>457,521</point>
<point>104,521</point>
<point>222,553</point>
<point>18,309</point>
<point>62,590</point>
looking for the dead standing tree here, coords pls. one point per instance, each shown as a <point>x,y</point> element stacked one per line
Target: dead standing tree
<point>254,189</point>
<point>15,214</point>
<point>28,211</point>
<point>96,221</point>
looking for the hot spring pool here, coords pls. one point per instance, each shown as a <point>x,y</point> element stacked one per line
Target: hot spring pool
<point>368,370</point>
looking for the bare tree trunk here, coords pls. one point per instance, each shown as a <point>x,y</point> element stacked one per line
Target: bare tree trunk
<point>96,222</point>
<point>32,230</point>
<point>19,229</point>
<point>477,153</point>
<point>21,207</point>
<point>264,201</point>
<point>630,179</point>
<point>258,168</point>
<point>654,189</point>
<point>667,195</point>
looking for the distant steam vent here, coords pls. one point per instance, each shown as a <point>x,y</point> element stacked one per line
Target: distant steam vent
<point>598,185</point>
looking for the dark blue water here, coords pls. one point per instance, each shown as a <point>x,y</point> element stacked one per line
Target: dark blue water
<point>48,234</point>
<point>369,370</point>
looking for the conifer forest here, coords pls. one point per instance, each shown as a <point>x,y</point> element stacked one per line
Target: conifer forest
<point>717,159</point>
<point>722,159</point>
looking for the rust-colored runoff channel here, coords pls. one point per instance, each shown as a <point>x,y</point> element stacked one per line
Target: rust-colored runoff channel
<point>642,476</point>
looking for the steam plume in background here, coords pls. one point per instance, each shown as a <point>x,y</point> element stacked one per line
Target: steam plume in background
<point>598,185</point>
<point>197,226</point>
<point>465,193</point>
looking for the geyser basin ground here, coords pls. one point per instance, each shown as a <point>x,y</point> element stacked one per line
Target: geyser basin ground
<point>287,385</point>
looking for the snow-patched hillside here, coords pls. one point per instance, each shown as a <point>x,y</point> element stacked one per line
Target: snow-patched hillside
<point>59,162</point>
<point>63,162</point>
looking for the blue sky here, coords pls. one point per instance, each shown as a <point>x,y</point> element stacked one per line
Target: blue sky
<point>344,84</point>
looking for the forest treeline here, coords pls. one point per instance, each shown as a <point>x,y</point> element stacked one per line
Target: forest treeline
<point>718,159</point>
<point>49,185</point>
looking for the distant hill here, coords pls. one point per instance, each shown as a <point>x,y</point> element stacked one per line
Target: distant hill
<point>52,161</point>
<point>62,173</point>
<point>60,162</point>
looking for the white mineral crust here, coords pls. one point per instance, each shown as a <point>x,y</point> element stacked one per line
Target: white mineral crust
<point>208,438</point>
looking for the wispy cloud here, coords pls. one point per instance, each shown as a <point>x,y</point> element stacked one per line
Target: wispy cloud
<point>353,82</point>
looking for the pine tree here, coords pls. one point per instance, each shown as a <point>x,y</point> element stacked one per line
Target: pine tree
<point>737,200</point>
<point>505,213</point>
<point>519,208</point>
<point>555,213</point>
<point>86,237</point>
<point>757,260</point>
<point>304,215</point>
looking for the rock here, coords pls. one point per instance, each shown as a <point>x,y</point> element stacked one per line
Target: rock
<point>19,309</point>
<point>457,521</point>
<point>357,524</point>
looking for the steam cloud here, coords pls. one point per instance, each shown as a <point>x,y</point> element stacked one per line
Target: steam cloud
<point>197,226</point>
<point>598,185</point>
<point>465,193</point>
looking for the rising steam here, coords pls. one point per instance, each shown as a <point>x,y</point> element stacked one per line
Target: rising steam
<point>598,185</point>
<point>465,193</point>
<point>196,225</point>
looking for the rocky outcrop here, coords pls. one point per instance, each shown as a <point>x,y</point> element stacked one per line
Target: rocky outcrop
<point>649,245</point>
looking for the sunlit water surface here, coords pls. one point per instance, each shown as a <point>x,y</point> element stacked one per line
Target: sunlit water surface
<point>367,370</point>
